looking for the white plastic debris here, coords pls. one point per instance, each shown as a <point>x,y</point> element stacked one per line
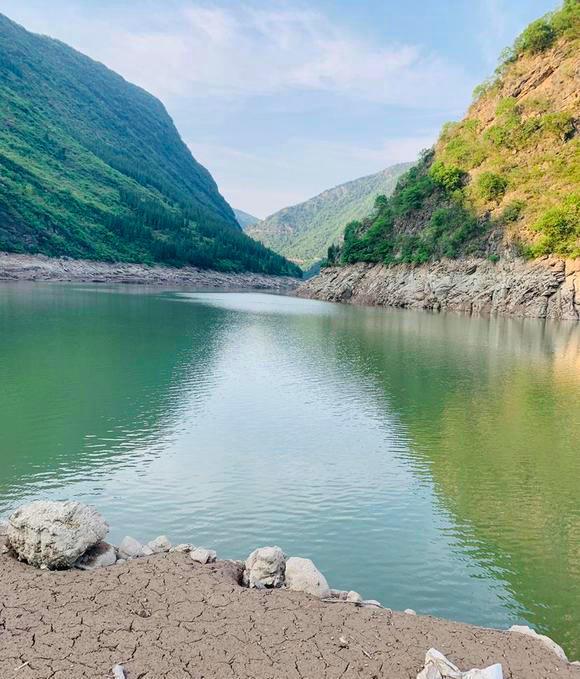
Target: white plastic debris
<point>438,667</point>
<point>119,672</point>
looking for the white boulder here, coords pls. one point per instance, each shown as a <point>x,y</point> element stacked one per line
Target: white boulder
<point>550,643</point>
<point>54,534</point>
<point>303,576</point>
<point>130,548</point>
<point>265,568</point>
<point>354,597</point>
<point>438,667</point>
<point>160,544</point>
<point>183,547</point>
<point>202,555</point>
<point>410,611</point>
<point>98,556</point>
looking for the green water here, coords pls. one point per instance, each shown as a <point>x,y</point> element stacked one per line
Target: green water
<point>428,461</point>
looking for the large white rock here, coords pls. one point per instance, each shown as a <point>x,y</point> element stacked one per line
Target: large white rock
<point>130,548</point>
<point>438,667</point>
<point>550,643</point>
<point>265,568</point>
<point>98,556</point>
<point>54,534</point>
<point>303,576</point>
<point>160,544</point>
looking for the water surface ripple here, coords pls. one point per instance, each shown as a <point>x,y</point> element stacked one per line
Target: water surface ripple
<point>428,461</point>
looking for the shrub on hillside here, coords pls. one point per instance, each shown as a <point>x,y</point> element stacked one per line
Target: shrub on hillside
<point>491,186</point>
<point>449,177</point>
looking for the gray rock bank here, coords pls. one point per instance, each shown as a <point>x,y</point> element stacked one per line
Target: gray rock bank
<point>544,288</point>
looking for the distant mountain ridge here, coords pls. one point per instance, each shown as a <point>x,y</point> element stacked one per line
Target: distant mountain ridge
<point>304,232</point>
<point>245,219</point>
<point>93,167</point>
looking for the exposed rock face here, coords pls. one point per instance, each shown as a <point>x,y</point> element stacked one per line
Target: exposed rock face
<point>54,534</point>
<point>546,288</point>
<point>265,567</point>
<point>303,576</point>
<point>100,555</point>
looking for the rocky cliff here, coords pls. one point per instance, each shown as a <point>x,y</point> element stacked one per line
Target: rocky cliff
<point>544,288</point>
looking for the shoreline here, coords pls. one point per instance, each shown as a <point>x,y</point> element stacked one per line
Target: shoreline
<point>40,268</point>
<point>167,617</point>
<point>545,288</point>
<point>73,605</point>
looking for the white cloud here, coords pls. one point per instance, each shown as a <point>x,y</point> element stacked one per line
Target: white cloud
<point>193,49</point>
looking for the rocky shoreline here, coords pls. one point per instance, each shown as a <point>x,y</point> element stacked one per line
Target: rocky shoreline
<point>545,288</point>
<point>73,605</point>
<point>15,267</point>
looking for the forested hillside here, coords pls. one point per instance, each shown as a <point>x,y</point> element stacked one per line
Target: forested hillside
<point>503,180</point>
<point>304,232</point>
<point>93,167</point>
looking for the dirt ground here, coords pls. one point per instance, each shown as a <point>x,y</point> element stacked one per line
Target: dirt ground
<point>166,617</point>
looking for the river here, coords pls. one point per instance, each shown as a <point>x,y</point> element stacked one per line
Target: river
<point>428,461</point>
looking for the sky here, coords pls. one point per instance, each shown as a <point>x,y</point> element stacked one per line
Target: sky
<point>281,100</point>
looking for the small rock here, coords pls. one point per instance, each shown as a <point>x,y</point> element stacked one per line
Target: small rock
<point>353,596</point>
<point>183,547</point>
<point>99,556</point>
<point>202,555</point>
<point>342,642</point>
<point>340,594</point>
<point>147,551</point>
<point>120,562</point>
<point>54,534</point>
<point>265,566</point>
<point>160,544</point>
<point>130,548</point>
<point>303,576</point>
<point>410,611</point>
<point>372,602</point>
<point>550,643</point>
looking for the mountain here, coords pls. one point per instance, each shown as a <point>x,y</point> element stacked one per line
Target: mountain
<point>245,219</point>
<point>93,167</point>
<point>505,180</point>
<point>487,222</point>
<point>304,232</point>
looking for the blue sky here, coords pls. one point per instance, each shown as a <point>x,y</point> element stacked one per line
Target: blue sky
<point>281,100</point>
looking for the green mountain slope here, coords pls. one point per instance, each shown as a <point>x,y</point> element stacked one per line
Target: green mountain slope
<point>504,180</point>
<point>245,219</point>
<point>304,232</point>
<point>92,166</point>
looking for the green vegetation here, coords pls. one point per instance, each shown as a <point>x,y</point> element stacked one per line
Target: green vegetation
<point>491,186</point>
<point>427,194</point>
<point>510,167</point>
<point>92,166</point>
<point>538,37</point>
<point>304,232</point>
<point>560,229</point>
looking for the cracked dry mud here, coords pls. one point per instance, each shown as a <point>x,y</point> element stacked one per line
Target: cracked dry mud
<point>166,617</point>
